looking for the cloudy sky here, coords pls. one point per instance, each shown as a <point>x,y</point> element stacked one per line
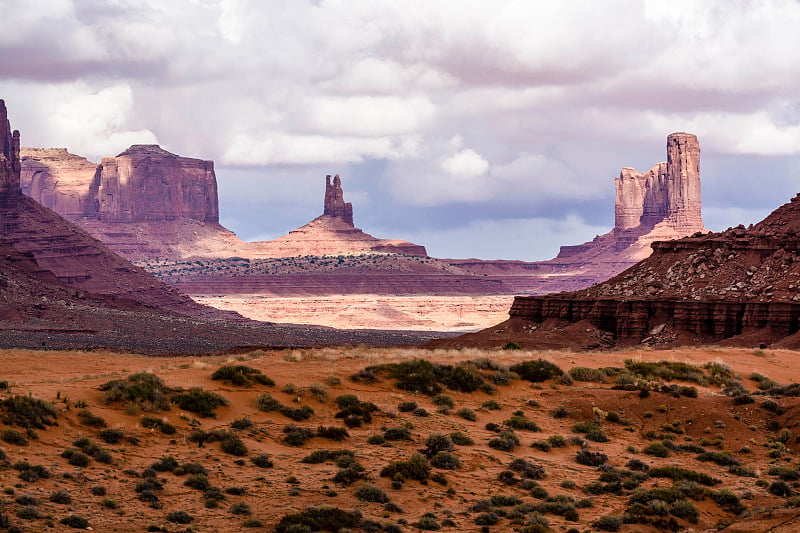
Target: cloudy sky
<point>488,129</point>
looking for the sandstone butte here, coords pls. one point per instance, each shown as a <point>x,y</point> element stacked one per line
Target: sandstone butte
<point>62,288</point>
<point>147,203</point>
<point>739,287</point>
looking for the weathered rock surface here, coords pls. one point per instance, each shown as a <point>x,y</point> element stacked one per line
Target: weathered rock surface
<point>738,287</point>
<point>9,153</point>
<point>335,205</point>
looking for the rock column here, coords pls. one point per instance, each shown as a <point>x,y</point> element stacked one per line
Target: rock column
<point>683,181</point>
<point>335,205</point>
<point>9,154</point>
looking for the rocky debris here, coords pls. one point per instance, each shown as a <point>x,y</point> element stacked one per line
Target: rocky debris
<point>335,205</point>
<point>737,287</point>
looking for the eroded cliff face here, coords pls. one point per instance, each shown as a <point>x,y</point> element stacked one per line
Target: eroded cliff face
<point>60,181</point>
<point>9,154</point>
<point>740,287</point>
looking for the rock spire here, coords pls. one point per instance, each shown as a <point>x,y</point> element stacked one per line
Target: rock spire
<point>9,154</point>
<point>669,192</point>
<point>335,205</point>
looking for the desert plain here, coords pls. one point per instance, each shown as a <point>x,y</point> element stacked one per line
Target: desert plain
<point>388,439</point>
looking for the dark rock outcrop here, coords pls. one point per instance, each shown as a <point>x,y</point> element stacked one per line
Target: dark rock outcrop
<point>9,154</point>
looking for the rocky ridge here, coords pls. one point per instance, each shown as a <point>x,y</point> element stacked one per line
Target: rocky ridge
<point>740,287</point>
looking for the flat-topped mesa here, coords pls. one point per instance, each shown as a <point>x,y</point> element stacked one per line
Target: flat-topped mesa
<point>145,183</point>
<point>335,205</point>
<point>9,154</point>
<point>668,193</point>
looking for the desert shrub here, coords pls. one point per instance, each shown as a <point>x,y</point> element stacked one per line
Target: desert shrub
<point>487,519</point>
<point>370,493</point>
<point>397,434</point>
<point>241,376</point>
<point>319,392</point>
<point>537,371</point>
<point>252,522</point>
<point>437,442</point>
<point>29,512</point>
<point>267,403</point>
<point>656,449</point>
<point>75,458</point>
<point>333,433</point>
<point>61,496</point>
<point>666,371</point>
<point>26,499</point>
<point>31,473</point>
<point>491,405</point>
<point>557,441</point>
<point>608,523</point>
<point>88,419</point>
<point>467,414</point>
<point>720,458</point>
<point>164,427</point>
<point>512,346</point>
<point>376,440</point>
<point>407,407</point>
<point>240,508</point>
<point>323,518</point>
<point>445,461</point>
<point>12,436</point>
<point>582,373</point>
<point>112,436</point>
<point>460,438</point>
<point>541,445</point>
<point>296,436</point>
<point>233,445</point>
<point>242,423</point>
<point>443,400</point>
<point>320,456</point>
<point>560,412</point>
<point>505,441</point>
<point>728,501</point>
<point>197,400</point>
<point>353,411</point>
<point>463,377</point>
<point>679,474</point>
<point>590,458</point>
<point>143,390</point>
<point>349,474</point>
<point>743,399</point>
<point>416,467</point>
<point>522,423</point>
<point>526,469</point>
<point>301,413</point>
<point>785,473</point>
<point>165,464</point>
<point>197,482</point>
<point>97,490</point>
<point>28,412</point>
<point>638,465</point>
<point>780,488</point>
<point>416,375</point>
<point>179,517</point>
<point>364,376</point>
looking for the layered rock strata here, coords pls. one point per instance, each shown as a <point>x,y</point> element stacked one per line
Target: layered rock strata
<point>738,287</point>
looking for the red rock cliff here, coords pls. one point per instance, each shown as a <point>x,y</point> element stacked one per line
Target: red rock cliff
<point>9,154</point>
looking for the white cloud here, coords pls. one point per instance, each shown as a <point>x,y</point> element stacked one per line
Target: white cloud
<point>466,163</point>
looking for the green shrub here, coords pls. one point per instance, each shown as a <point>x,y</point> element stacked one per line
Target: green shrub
<point>443,400</point>
<point>197,400</point>
<point>75,458</point>
<point>407,407</point>
<point>463,377</point>
<point>242,423</point>
<point>252,522</point>
<point>197,482</point>
<point>333,433</point>
<point>461,439</point>
<point>720,458</point>
<point>241,376</point>
<point>28,412</point>
<point>656,449</point>
<point>31,473</point>
<point>324,518</point>
<point>416,375</point>
<point>780,488</point>
<point>506,441</point>
<point>522,423</point>
<point>240,508</point>
<point>370,493</point>
<point>679,474</point>
<point>445,461</point>
<point>416,467</point>
<point>537,371</point>
<point>526,469</point>
<point>608,523</point>
<point>296,436</point>
<point>728,501</point>
<point>233,445</point>
<point>143,390</point>
<point>557,441</point>
<point>165,464</point>
<point>112,436</point>
<point>397,434</point>
<point>437,442</point>
<point>467,414</point>
<point>262,461</point>
<point>12,436</point>
<point>267,403</point>
<point>353,411</point>
<point>60,496</point>
<point>582,373</point>
<point>590,458</point>
<point>91,420</point>
<point>179,517</point>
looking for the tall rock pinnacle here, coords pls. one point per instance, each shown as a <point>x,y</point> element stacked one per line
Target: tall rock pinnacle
<point>9,154</point>
<point>335,205</point>
<point>668,193</point>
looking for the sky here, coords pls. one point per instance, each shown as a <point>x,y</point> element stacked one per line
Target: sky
<point>475,128</point>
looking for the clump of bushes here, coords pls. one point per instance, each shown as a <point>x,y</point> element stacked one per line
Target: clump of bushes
<point>505,441</point>
<point>519,421</point>
<point>370,493</point>
<point>416,467</point>
<point>590,458</point>
<point>75,521</point>
<point>267,403</point>
<point>141,391</point>
<point>93,421</point>
<point>333,433</point>
<point>323,518</point>
<point>353,411</point>
<point>197,400</point>
<point>31,473</point>
<point>28,412</point>
<point>241,376</point>
<point>296,436</point>
<point>12,436</point>
<point>179,517</point>
<point>537,370</point>
<point>151,422</point>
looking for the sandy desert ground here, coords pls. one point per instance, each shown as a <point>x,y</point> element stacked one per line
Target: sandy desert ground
<point>371,311</point>
<point>733,459</point>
